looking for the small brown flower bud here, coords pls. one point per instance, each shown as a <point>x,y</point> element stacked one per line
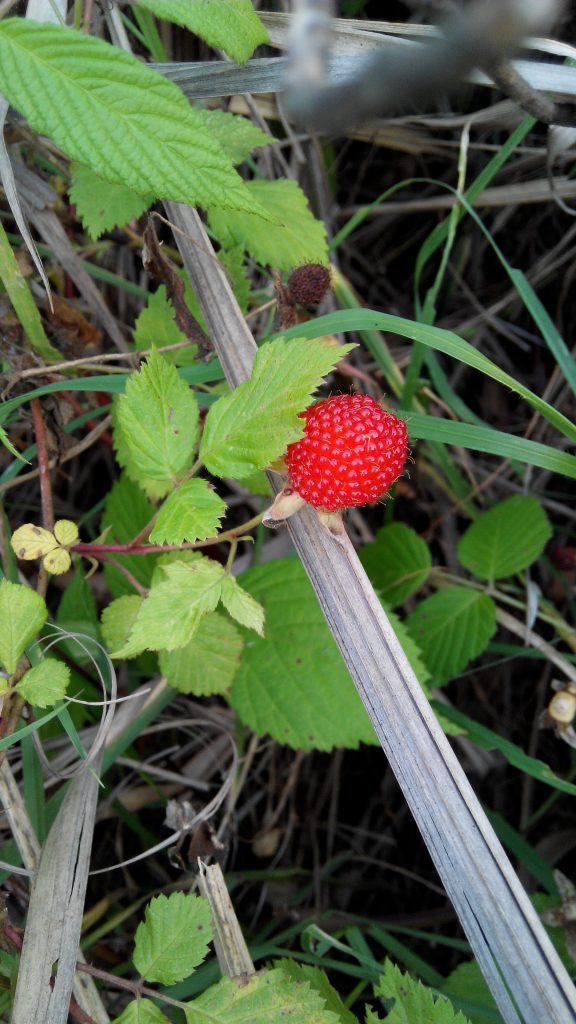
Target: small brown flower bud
<point>307,285</point>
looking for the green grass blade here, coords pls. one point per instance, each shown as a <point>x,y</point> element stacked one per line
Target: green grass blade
<point>21,298</point>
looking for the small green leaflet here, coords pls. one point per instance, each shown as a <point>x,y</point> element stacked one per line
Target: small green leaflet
<point>153,489</point>
<point>103,205</point>
<point>143,131</point>
<point>158,416</point>
<point>296,236</point>
<point>319,982</point>
<point>229,25</point>
<point>451,627</point>
<point>506,539</point>
<point>156,327</point>
<point>192,512</point>
<point>141,1011</point>
<point>209,662</point>
<point>173,938</point>
<point>269,996</point>
<point>22,615</point>
<point>8,444</point>
<point>181,593</point>
<point>118,620</point>
<point>237,135</point>
<point>242,606</point>
<point>252,427</point>
<point>397,562</point>
<point>45,683</point>
<point>413,1003</point>
<point>127,511</point>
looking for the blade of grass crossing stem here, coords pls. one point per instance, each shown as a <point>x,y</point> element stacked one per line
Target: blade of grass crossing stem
<point>518,960</point>
<point>33,788</point>
<point>373,340</point>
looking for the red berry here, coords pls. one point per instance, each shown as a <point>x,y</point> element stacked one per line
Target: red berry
<point>351,452</point>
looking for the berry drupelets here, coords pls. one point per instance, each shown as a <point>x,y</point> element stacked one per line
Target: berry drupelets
<point>351,453</point>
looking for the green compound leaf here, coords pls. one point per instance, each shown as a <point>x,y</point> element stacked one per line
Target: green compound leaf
<point>44,684</point>
<point>22,615</point>
<point>252,427</point>
<point>118,620</point>
<point>181,593</point>
<point>506,539</point>
<point>141,1011</point>
<point>413,1003</point>
<point>270,996</point>
<point>192,512</point>
<point>237,135</point>
<point>229,25</point>
<point>242,606</point>
<point>173,938</point>
<point>209,662</point>
<point>103,205</point>
<point>127,511</point>
<point>296,237</point>
<point>158,416</point>
<point>397,562</point>
<point>143,132</point>
<point>294,684</point>
<point>153,489</point>
<point>451,627</point>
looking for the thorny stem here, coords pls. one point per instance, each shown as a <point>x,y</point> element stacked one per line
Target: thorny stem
<point>99,550</point>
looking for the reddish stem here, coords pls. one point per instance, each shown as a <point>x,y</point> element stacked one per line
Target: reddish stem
<point>43,464</point>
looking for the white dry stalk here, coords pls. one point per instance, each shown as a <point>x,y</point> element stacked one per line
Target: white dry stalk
<point>513,950</point>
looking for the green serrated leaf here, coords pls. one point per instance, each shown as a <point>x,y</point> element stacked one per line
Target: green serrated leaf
<point>22,615</point>
<point>156,327</point>
<point>242,606</point>
<point>253,426</point>
<point>153,489</point>
<point>5,440</point>
<point>237,135</point>
<point>451,627</point>
<point>229,25</point>
<point>320,984</point>
<point>158,416</point>
<point>413,1003</point>
<point>294,685</point>
<point>209,662</point>
<point>118,620</point>
<point>291,236</point>
<point>173,610</point>
<point>173,938</point>
<point>127,511</point>
<point>467,986</point>
<point>397,562</point>
<point>269,996</point>
<point>506,539</point>
<point>44,684</point>
<point>141,1011</point>
<point>192,512</point>
<point>101,204</point>
<point>59,78</point>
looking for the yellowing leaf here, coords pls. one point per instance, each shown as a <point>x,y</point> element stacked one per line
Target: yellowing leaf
<point>57,561</point>
<point>30,541</point>
<point>269,996</point>
<point>66,532</point>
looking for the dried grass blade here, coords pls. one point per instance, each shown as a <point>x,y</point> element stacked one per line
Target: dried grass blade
<point>513,950</point>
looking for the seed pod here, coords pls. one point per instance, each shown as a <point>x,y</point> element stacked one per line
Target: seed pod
<point>307,285</point>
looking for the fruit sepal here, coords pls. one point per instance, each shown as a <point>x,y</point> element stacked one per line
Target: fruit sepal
<point>285,504</point>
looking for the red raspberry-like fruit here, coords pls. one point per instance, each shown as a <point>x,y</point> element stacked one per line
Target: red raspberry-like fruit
<point>351,453</point>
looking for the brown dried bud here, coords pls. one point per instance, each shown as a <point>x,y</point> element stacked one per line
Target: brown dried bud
<point>307,285</point>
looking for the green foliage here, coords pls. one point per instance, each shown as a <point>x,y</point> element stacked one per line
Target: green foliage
<point>22,615</point>
<point>209,662</point>
<point>72,78</point>
<point>320,984</point>
<point>118,620</point>
<point>173,938</point>
<point>413,1003</point>
<point>127,511</point>
<point>506,539</point>
<point>158,417</point>
<point>252,427</point>
<point>44,684</point>
<point>156,327</point>
<point>451,627</point>
<point>297,236</point>
<point>192,512</point>
<point>466,985</point>
<point>294,685</point>
<point>181,593</point>
<point>237,135</point>
<point>21,298</point>
<point>272,995</point>
<point>101,204</point>
<point>398,562</point>
<point>77,613</point>
<point>242,606</point>
<point>229,25</point>
<point>141,1011</point>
